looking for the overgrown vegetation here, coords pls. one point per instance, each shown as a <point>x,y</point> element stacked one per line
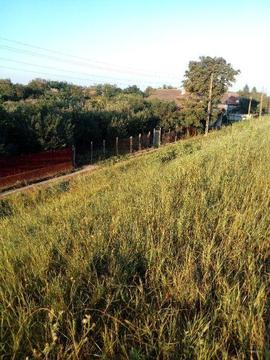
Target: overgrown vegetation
<point>161,257</point>
<point>49,114</point>
<point>197,83</point>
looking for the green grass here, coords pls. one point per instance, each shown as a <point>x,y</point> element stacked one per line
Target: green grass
<point>166,256</point>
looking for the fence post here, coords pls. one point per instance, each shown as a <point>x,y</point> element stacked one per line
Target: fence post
<point>169,135</point>
<point>261,106</point>
<point>73,156</point>
<point>140,145</point>
<point>116,146</point>
<point>130,144</point>
<point>249,106</point>
<point>154,136</point>
<point>104,147</point>
<point>175,135</point>
<point>157,138</point>
<point>91,153</point>
<point>148,138</point>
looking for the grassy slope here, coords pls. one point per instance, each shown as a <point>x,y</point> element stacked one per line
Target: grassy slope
<point>162,257</point>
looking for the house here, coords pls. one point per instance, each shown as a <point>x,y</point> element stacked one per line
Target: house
<point>176,95</point>
<point>230,101</point>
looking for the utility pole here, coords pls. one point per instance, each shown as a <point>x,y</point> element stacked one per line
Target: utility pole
<point>209,105</point>
<point>249,106</point>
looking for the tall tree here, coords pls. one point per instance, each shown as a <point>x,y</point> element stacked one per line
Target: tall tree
<point>245,92</point>
<point>197,83</point>
<point>197,77</point>
<point>254,90</point>
<point>246,89</point>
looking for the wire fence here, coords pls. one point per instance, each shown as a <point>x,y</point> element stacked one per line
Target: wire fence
<point>23,169</point>
<point>100,150</point>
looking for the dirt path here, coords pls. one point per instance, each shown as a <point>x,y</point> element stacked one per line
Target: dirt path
<point>85,169</point>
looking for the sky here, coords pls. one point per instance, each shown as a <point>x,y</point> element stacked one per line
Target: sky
<point>142,42</point>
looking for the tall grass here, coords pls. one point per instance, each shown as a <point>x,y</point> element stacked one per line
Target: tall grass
<point>166,256</point>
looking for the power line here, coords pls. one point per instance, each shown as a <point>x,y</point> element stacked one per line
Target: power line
<point>59,52</point>
<point>71,71</point>
<point>111,66</point>
<point>59,75</point>
<point>50,74</point>
<point>31,53</point>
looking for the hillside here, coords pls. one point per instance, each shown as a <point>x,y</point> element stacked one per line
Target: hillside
<point>161,257</point>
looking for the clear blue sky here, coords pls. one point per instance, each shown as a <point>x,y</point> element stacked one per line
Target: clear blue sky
<point>142,41</point>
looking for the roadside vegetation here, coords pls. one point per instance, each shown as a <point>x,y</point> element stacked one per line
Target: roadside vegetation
<point>161,257</point>
<point>46,114</point>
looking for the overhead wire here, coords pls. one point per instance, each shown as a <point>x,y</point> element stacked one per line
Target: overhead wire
<point>94,81</point>
<point>108,78</point>
<point>50,74</point>
<point>121,68</point>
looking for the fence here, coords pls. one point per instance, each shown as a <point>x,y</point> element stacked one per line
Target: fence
<point>100,150</point>
<point>30,167</point>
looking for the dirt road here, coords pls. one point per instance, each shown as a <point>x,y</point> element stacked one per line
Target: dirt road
<point>85,169</point>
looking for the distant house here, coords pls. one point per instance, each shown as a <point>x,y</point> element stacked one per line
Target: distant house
<point>230,101</point>
<point>176,95</point>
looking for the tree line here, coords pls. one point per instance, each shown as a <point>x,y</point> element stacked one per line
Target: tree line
<point>47,114</point>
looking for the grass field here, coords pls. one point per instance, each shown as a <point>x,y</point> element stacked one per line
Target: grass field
<point>166,256</point>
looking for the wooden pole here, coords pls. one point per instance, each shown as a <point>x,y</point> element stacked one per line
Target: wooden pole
<point>130,144</point>
<point>249,105</point>
<point>91,153</point>
<point>148,138</point>
<point>209,110</point>
<point>116,146</point>
<point>261,105</point>
<point>140,145</point>
<point>154,136</point>
<point>74,156</point>
<point>104,147</point>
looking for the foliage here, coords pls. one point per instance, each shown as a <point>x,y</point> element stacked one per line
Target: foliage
<point>193,111</point>
<point>143,260</point>
<point>246,95</point>
<point>197,77</point>
<point>244,105</point>
<point>197,83</point>
<point>51,114</point>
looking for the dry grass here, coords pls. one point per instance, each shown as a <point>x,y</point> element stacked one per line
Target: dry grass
<point>162,257</point>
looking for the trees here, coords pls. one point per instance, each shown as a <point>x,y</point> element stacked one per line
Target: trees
<point>197,81</point>
<point>7,91</point>
<point>245,92</point>
<point>255,97</point>
<point>197,77</point>
<point>48,114</point>
<point>36,88</point>
<point>246,89</point>
<point>133,90</point>
<point>244,104</point>
<point>51,114</point>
